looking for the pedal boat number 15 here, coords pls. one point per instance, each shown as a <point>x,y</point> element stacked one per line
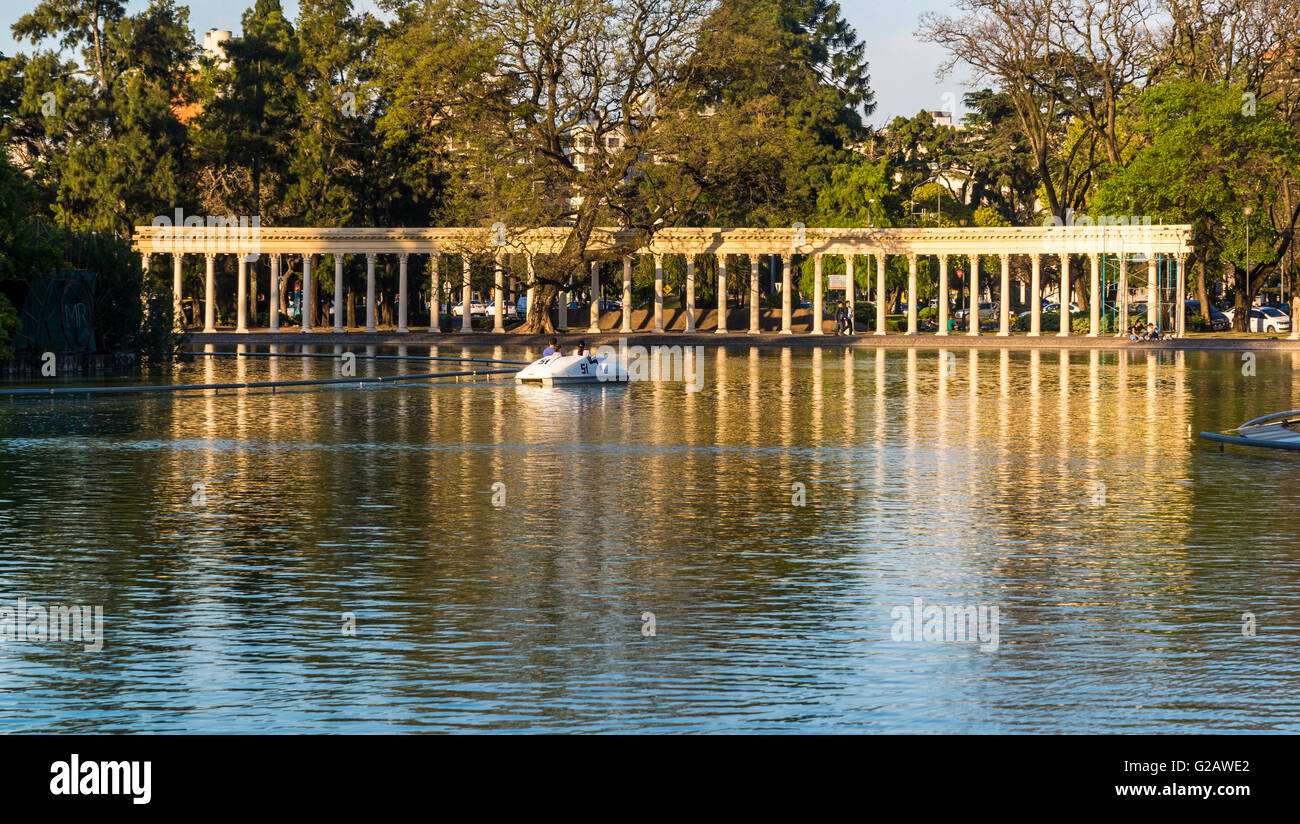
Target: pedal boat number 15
<point>565,369</point>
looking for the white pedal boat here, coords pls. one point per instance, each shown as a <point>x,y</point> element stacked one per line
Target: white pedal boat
<point>1281,430</point>
<point>563,369</point>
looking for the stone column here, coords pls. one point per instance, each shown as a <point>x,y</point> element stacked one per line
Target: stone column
<point>943,294</point>
<point>626,326</point>
<point>178,311</point>
<point>562,309</point>
<point>252,290</point>
<point>435,293</point>
<point>722,296</point>
<point>273,302</point>
<point>401,292</point>
<point>371,259</point>
<point>659,293</point>
<point>241,295</point>
<point>1121,296</point>
<point>973,313</point>
<point>1153,312</point>
<point>594,326</point>
<point>306,293</point>
<point>466,294</point>
<point>1181,307</point>
<point>210,293</point>
<point>817,296</point>
<point>911,295</point>
<point>1035,295</point>
<point>787,306</point>
<point>1004,298</point>
<point>498,296</point>
<point>532,284</point>
<point>338,292</point>
<point>851,287</point>
<point>1064,303</point>
<point>1095,296</point>
<point>881,260</point>
<point>754,328</point>
<point>690,294</point>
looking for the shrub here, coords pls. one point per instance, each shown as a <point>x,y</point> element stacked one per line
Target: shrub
<point>8,326</point>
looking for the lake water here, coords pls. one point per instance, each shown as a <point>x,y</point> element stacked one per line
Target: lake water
<point>499,546</point>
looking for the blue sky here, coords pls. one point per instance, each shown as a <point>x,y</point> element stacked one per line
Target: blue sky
<point>902,69</point>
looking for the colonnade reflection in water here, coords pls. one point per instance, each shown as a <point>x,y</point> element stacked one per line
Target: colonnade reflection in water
<point>1023,446</point>
<point>916,422</point>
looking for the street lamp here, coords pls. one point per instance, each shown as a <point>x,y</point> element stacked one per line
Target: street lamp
<point>938,199</point>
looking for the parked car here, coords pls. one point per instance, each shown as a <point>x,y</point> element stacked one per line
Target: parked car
<point>1219,322</point>
<point>1045,307</point>
<point>611,305</point>
<point>1056,307</point>
<point>521,305</point>
<point>476,307</point>
<point>988,311</point>
<point>508,310</point>
<point>1263,319</point>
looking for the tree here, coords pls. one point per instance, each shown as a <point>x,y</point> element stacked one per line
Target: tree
<point>554,106</point>
<point>1067,67</point>
<point>995,157</point>
<point>248,113</point>
<point>1202,160</point>
<point>115,151</point>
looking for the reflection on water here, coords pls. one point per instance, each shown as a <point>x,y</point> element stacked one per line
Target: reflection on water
<point>226,534</point>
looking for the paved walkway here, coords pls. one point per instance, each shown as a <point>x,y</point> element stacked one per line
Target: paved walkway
<point>263,337</point>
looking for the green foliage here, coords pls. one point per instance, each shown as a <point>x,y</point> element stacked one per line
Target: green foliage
<point>1203,160</point>
<point>244,134</point>
<point>997,157</point>
<point>122,295</point>
<point>856,195</point>
<point>29,248</point>
<point>111,148</point>
<point>989,216</point>
<point>798,72</point>
<point>1051,322</point>
<point>8,326</point>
